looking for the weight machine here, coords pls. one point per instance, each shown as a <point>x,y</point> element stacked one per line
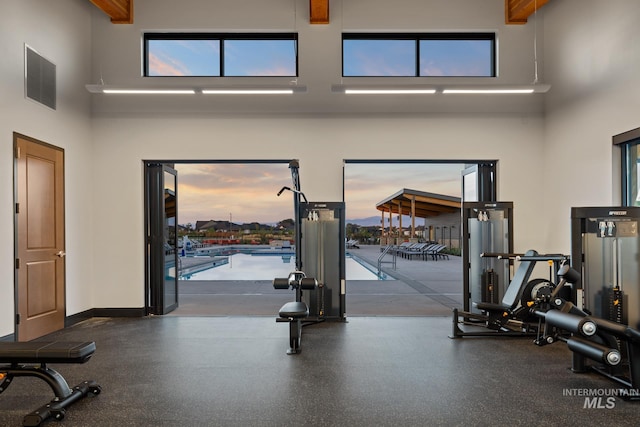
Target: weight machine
<point>320,268</point>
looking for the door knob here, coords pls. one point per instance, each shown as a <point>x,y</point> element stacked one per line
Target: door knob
<point>61,254</point>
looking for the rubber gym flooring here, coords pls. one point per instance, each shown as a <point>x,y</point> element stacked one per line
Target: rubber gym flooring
<point>220,360</point>
<point>382,371</point>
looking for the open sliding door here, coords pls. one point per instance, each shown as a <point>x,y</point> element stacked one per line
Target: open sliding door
<point>162,241</point>
<point>479,182</point>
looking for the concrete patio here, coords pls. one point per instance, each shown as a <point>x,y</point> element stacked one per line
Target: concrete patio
<point>418,288</point>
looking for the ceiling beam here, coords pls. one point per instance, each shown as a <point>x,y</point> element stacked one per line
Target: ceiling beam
<point>518,11</point>
<point>319,11</point>
<point>120,11</point>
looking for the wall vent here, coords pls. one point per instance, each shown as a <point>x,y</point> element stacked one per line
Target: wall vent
<point>40,78</point>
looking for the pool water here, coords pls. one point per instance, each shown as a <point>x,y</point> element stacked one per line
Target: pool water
<point>246,267</point>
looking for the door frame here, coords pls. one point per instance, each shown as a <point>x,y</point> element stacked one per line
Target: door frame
<point>148,295</point>
<point>485,182</point>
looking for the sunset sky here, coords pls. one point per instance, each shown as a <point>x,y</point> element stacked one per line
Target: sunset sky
<point>361,57</point>
<point>247,192</point>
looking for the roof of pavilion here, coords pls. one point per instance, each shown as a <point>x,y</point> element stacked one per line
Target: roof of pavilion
<point>426,204</point>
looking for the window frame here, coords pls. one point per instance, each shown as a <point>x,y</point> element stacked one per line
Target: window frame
<point>626,142</point>
<point>418,37</point>
<point>221,37</point>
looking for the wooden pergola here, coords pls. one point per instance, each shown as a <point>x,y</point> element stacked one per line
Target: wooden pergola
<point>416,204</point>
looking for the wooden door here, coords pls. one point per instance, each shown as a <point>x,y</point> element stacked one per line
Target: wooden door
<point>40,244</point>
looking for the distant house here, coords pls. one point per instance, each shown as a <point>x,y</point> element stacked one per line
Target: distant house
<point>205,225</point>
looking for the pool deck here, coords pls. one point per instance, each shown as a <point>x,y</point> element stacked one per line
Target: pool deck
<point>421,288</point>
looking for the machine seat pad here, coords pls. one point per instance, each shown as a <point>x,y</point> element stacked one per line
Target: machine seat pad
<point>46,352</point>
<point>294,309</point>
<point>490,306</point>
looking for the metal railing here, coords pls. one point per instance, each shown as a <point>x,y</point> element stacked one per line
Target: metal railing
<point>394,256</point>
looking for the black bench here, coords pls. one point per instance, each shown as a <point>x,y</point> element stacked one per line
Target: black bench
<point>294,312</point>
<point>29,359</point>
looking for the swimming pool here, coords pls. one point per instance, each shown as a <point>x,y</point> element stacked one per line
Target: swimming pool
<point>246,267</point>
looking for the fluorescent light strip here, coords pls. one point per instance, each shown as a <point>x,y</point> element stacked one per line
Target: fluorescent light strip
<point>247,91</point>
<point>150,91</point>
<point>389,91</point>
<point>487,91</point>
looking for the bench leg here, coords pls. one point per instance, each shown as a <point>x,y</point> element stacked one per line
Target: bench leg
<point>295,336</point>
<point>64,395</point>
<point>56,409</point>
<point>52,377</point>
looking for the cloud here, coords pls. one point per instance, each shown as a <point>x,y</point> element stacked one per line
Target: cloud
<point>247,192</point>
<point>166,67</point>
<point>368,184</point>
<point>244,192</point>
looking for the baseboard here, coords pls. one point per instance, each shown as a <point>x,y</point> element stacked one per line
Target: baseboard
<point>103,312</point>
<point>119,312</point>
<point>10,337</point>
<point>77,318</point>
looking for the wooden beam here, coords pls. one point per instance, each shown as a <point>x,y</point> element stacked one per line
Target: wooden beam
<point>518,11</point>
<point>319,11</point>
<point>120,11</point>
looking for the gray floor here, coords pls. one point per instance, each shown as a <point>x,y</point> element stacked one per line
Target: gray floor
<point>384,371</point>
<point>219,360</point>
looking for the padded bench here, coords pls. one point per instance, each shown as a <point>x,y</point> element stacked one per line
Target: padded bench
<point>29,359</point>
<point>294,310</point>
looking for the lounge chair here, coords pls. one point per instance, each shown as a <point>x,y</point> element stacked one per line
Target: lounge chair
<point>353,244</point>
<point>435,252</point>
<point>414,250</point>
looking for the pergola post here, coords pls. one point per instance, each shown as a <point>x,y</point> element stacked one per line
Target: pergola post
<point>413,216</point>
<point>400,238</point>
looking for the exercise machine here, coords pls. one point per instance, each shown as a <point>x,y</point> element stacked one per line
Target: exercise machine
<point>487,227</point>
<point>297,311</point>
<point>605,246</point>
<point>604,321</point>
<point>513,316</point>
<point>30,359</point>
<point>613,346</point>
<point>323,257</point>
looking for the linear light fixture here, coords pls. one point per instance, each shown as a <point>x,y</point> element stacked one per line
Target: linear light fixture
<point>389,91</point>
<point>497,89</point>
<point>138,91</point>
<point>248,90</point>
<point>487,91</point>
<point>408,90</point>
<point>149,91</point>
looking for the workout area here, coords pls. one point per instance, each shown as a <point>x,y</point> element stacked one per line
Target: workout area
<point>532,317</point>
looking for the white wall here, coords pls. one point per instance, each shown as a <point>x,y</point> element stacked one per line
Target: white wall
<point>594,95</point>
<point>60,31</point>
<point>592,66</point>
<point>319,128</point>
<point>321,143</point>
<point>117,57</point>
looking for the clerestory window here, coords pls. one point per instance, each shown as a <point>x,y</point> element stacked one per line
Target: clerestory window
<point>220,55</point>
<point>418,55</point>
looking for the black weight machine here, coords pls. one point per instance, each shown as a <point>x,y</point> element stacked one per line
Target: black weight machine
<point>513,316</point>
<point>295,312</point>
<point>605,250</point>
<point>615,347</point>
